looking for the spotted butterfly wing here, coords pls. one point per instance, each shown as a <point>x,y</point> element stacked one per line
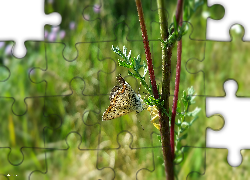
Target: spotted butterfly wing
<point>123,100</point>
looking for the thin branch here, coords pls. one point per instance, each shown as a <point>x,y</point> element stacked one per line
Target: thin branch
<point>147,48</point>
<point>176,91</point>
<point>177,78</point>
<point>178,13</point>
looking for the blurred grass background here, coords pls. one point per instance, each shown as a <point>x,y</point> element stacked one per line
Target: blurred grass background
<point>48,121</point>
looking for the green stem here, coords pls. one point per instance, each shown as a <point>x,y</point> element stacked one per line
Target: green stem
<point>166,74</point>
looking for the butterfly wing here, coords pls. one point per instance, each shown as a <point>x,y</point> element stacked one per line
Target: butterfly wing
<point>122,101</point>
<point>114,92</point>
<point>115,112</point>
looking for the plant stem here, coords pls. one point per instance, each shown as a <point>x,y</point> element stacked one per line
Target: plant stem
<point>147,48</point>
<point>166,74</point>
<point>177,78</point>
<point>176,91</point>
<point>178,13</point>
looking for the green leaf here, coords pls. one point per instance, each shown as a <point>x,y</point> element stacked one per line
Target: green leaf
<point>160,159</point>
<point>145,67</point>
<point>192,121</point>
<point>194,112</point>
<point>181,115</point>
<point>185,103</point>
<point>191,90</point>
<point>185,149</point>
<point>131,74</point>
<point>159,137</point>
<point>183,137</point>
<point>118,51</point>
<point>178,152</point>
<point>161,40</point>
<point>134,64</point>
<point>184,94</point>
<point>184,125</point>
<point>178,109</point>
<point>124,64</point>
<point>192,99</point>
<point>178,123</point>
<point>164,43</point>
<point>190,7</point>
<point>178,145</point>
<point>175,25</point>
<point>178,159</point>
<point>184,29</point>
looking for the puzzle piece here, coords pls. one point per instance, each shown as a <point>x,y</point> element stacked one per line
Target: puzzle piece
<point>127,168</point>
<point>105,52</point>
<point>83,165</point>
<point>194,161</point>
<point>79,119</point>
<point>224,59</point>
<point>196,134</point>
<point>27,24</point>
<point>186,77</point>
<point>151,17</point>
<point>132,122</point>
<point>217,166</point>
<point>200,13</point>
<point>75,68</point>
<point>16,72</point>
<point>234,110</point>
<point>79,110</point>
<point>84,25</point>
<point>219,29</point>
<point>158,171</point>
<point>123,13</point>
<point>33,163</point>
<point>26,130</point>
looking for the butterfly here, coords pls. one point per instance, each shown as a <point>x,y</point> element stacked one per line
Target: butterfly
<point>123,100</point>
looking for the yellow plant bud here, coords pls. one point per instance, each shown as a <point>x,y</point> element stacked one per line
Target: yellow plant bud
<point>154,115</point>
<point>157,126</point>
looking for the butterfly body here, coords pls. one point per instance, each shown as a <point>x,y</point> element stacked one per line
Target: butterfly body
<point>123,100</point>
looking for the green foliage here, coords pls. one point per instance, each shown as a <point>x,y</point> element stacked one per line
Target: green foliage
<point>182,104</point>
<point>181,124</point>
<point>190,7</point>
<point>66,107</point>
<point>175,31</point>
<point>134,64</point>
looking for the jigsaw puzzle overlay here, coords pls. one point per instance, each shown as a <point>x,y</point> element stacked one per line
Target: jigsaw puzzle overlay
<point>18,27</point>
<point>238,109</point>
<point>56,81</point>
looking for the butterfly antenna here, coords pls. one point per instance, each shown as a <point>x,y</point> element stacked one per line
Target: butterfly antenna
<point>139,121</point>
<point>139,89</point>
